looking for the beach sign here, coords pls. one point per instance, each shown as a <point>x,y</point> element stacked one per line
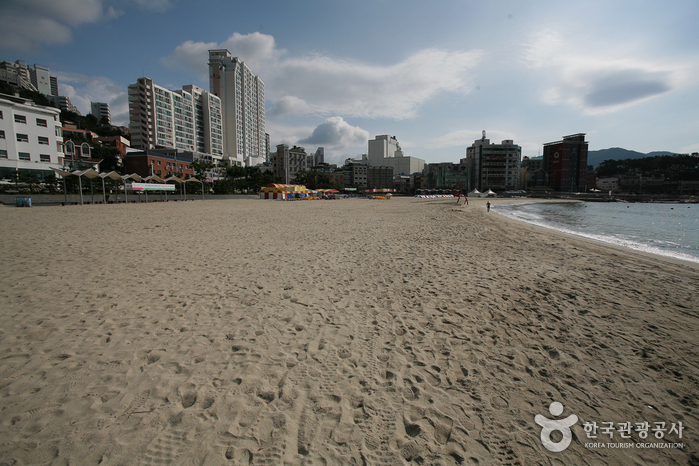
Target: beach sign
<point>150,187</point>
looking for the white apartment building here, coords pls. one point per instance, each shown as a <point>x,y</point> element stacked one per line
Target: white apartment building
<point>495,166</point>
<point>101,111</point>
<point>208,122</point>
<point>242,96</point>
<point>188,119</point>
<point>30,138</point>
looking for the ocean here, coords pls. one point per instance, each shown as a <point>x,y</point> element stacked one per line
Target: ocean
<point>666,229</point>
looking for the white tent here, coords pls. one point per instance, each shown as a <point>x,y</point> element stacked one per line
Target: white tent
<point>474,193</point>
<point>489,193</point>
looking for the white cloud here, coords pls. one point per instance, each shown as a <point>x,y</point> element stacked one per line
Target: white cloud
<point>26,24</point>
<point>257,50</point>
<point>466,137</point>
<point>323,85</point>
<point>83,89</point>
<point>597,78</point>
<point>336,133</point>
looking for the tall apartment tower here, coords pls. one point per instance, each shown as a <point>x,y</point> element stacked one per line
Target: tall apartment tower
<point>188,119</point>
<point>207,122</point>
<point>242,97</point>
<point>495,166</point>
<point>566,163</point>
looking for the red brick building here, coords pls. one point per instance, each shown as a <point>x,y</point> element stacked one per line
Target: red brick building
<point>566,163</point>
<point>153,163</point>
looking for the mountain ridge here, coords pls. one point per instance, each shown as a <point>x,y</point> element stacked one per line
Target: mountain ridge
<point>595,157</point>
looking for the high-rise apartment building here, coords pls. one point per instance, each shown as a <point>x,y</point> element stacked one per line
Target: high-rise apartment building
<point>101,111</point>
<point>242,96</point>
<point>188,119</point>
<point>208,122</point>
<point>566,163</point>
<point>494,166</point>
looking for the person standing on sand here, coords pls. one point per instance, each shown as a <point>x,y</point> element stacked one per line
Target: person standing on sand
<point>487,206</point>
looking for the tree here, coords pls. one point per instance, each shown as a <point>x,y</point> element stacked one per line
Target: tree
<point>201,168</point>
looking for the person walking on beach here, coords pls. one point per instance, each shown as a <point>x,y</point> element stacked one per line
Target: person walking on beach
<point>487,206</point>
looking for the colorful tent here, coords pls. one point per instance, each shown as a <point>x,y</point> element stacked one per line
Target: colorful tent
<point>283,191</point>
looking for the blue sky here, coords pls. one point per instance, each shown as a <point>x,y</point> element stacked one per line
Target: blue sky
<point>434,74</point>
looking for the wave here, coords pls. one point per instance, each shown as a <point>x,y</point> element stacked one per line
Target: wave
<point>575,219</point>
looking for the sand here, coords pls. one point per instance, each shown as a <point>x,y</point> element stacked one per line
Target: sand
<point>332,332</point>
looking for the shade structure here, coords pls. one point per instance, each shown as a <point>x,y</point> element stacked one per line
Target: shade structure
<point>474,193</point>
<point>271,195</point>
<point>292,191</point>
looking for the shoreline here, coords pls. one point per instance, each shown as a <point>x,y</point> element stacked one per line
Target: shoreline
<point>331,332</point>
<point>674,260</point>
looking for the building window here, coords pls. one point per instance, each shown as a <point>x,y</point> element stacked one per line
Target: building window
<point>3,154</point>
<point>2,134</point>
<point>20,119</point>
<point>1,115</point>
<point>45,158</point>
<point>42,123</point>
<point>24,156</point>
<point>22,138</point>
<point>43,140</point>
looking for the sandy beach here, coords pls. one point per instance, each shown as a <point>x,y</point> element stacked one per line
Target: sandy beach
<point>334,332</point>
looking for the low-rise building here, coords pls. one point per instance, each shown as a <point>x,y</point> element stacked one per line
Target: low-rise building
<point>30,138</point>
<point>162,163</point>
<point>286,162</point>
<point>446,175</point>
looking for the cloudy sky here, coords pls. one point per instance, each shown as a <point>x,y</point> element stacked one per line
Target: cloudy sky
<point>432,73</point>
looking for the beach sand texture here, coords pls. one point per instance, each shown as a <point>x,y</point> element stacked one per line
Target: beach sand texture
<point>331,332</point>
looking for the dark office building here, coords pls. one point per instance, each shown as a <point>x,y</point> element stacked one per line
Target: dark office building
<point>566,163</point>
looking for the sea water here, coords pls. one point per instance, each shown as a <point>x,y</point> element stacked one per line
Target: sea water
<point>665,229</point>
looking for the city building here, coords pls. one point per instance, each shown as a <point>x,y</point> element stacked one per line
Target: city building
<point>101,111</point>
<point>318,158</point>
<point>446,175</point>
<point>242,96</point>
<point>534,176</point>
<point>494,166</point>
<point>33,77</point>
<point>120,143</point>
<point>16,74</point>
<point>188,119</point>
<point>608,185</point>
<point>42,79</point>
<point>379,177</point>
<point>30,138</point>
<point>64,103</point>
<point>385,150</point>
<point>158,162</point>
<point>208,122</point>
<point>286,162</point>
<point>566,163</point>
<point>356,174</point>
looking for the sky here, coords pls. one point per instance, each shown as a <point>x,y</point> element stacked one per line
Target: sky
<point>434,74</point>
